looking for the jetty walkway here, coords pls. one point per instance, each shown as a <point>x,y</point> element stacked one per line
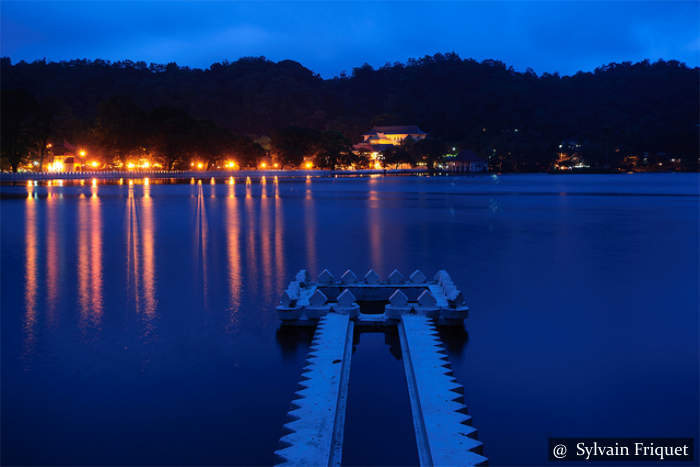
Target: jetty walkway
<point>444,434</point>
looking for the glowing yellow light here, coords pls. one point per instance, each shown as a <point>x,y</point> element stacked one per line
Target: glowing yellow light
<point>94,182</point>
<point>130,165</point>
<point>56,166</point>
<point>309,165</point>
<point>146,181</point>
<point>35,163</point>
<point>276,164</point>
<point>146,165</point>
<point>263,164</point>
<point>377,165</point>
<point>121,181</point>
<point>191,164</point>
<point>49,146</point>
<point>94,163</point>
<point>192,181</point>
<point>213,182</point>
<point>200,165</point>
<point>82,153</point>
<point>29,183</point>
<point>131,181</point>
<point>231,180</point>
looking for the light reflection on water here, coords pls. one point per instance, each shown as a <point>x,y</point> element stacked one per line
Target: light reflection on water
<point>373,221</point>
<point>234,254</point>
<point>52,254</point>
<point>310,224</point>
<point>201,229</point>
<point>151,306</point>
<point>148,235</point>
<point>30,271</point>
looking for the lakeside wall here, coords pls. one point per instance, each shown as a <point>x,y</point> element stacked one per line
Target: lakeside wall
<point>102,175</point>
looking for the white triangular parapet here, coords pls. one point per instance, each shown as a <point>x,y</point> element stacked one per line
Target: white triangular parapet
<point>348,277</point>
<point>326,277</point>
<point>398,298</point>
<point>417,277</point>
<point>285,299</point>
<point>442,277</point>
<point>450,290</point>
<point>318,298</point>
<point>396,277</point>
<point>454,297</point>
<point>303,277</point>
<point>293,290</point>
<point>426,299</point>
<point>371,277</point>
<point>346,299</point>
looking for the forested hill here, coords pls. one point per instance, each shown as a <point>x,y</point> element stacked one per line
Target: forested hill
<point>487,106</point>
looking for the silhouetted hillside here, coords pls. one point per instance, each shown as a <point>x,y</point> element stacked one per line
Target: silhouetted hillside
<point>619,109</point>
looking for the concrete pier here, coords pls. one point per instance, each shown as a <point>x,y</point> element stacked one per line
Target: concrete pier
<point>316,436</point>
<point>443,429</point>
<point>444,434</point>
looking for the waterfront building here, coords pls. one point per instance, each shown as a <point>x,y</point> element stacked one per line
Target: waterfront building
<point>63,158</point>
<point>465,161</point>
<point>379,138</point>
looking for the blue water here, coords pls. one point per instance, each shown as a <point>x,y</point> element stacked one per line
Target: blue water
<point>138,322</point>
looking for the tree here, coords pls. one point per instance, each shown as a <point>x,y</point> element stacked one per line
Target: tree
<point>431,150</point>
<point>395,155</point>
<point>44,127</point>
<point>19,117</point>
<point>293,143</point>
<point>334,149</point>
<point>211,142</point>
<point>173,135</point>
<point>119,130</point>
<point>245,151</point>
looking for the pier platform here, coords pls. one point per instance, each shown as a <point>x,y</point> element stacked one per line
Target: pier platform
<point>443,429</point>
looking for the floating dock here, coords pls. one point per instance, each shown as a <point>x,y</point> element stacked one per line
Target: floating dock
<point>444,434</point>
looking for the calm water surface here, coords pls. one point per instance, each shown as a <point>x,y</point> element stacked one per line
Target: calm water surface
<point>138,321</point>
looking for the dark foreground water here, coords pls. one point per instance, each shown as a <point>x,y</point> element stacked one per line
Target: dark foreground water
<point>138,322</point>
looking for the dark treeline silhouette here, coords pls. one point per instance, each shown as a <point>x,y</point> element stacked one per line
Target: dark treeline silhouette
<point>515,119</point>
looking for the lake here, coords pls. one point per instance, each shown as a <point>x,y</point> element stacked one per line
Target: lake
<point>138,320</point>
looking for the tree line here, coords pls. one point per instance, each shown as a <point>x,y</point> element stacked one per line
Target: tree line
<point>253,107</point>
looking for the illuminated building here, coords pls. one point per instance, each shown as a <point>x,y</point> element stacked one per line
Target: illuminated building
<point>61,158</point>
<point>392,135</point>
<point>380,138</point>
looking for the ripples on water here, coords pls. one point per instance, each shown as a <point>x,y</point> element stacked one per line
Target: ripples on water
<point>138,319</point>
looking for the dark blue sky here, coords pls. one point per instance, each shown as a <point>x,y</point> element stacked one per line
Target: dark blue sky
<point>335,36</point>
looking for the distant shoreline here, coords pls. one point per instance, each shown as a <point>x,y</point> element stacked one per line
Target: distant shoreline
<point>258,174</point>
